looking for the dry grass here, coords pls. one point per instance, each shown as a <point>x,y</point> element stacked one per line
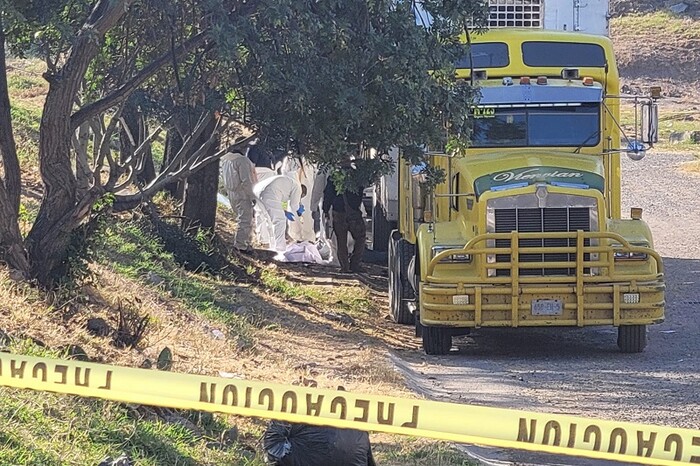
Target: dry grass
<point>691,167</point>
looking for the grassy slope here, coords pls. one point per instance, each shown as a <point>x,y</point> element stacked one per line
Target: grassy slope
<point>212,326</point>
<point>657,47</point>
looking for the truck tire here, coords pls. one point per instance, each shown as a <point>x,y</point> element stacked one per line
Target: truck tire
<point>632,338</point>
<point>436,340</point>
<point>381,227</point>
<point>400,253</point>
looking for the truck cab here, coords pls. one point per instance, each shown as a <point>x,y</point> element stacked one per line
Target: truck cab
<point>527,229</point>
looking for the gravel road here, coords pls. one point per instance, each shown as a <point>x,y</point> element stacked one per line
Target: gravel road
<point>580,371</point>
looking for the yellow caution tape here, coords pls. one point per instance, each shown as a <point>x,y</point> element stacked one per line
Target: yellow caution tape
<point>552,433</point>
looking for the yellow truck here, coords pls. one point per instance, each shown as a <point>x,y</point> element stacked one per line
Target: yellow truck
<point>527,229</point>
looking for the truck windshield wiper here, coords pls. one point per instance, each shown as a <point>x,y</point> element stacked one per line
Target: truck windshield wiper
<point>593,134</point>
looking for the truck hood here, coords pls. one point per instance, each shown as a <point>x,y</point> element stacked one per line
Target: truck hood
<point>502,170</point>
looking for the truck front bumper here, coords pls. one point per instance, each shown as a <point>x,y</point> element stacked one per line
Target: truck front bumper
<point>596,293</point>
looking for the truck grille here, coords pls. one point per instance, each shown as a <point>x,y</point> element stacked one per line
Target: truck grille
<point>536,220</point>
<point>515,13</point>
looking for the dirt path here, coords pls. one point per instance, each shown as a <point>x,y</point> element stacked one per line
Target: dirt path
<point>581,372</point>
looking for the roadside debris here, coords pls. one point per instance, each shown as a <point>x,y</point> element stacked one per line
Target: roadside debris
<point>303,445</point>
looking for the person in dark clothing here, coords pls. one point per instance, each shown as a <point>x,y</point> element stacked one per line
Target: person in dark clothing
<point>346,218</point>
<point>260,156</point>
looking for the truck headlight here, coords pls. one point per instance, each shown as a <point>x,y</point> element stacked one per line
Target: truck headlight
<point>631,256</point>
<point>453,258</point>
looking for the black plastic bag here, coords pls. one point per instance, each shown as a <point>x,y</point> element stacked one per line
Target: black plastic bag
<point>302,445</point>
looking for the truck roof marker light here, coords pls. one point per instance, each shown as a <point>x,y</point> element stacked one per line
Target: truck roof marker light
<point>507,81</point>
<point>569,73</point>
<point>588,81</point>
<point>524,80</point>
<point>636,213</point>
<point>542,80</point>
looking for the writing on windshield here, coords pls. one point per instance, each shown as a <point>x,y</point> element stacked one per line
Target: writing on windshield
<point>536,126</point>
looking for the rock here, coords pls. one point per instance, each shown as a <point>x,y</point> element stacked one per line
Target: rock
<point>218,334</point>
<point>165,360</point>
<point>99,327</point>
<point>229,436</point>
<point>123,460</point>
<point>679,137</point>
<point>5,340</point>
<point>186,423</point>
<point>678,8</point>
<point>342,318</point>
<point>304,382</point>
<point>154,279</point>
<point>75,352</point>
<point>146,364</point>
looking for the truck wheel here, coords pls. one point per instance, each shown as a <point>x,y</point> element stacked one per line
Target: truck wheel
<point>632,338</point>
<point>399,286</point>
<point>436,340</point>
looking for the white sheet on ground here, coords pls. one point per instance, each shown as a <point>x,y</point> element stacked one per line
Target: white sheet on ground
<point>301,252</point>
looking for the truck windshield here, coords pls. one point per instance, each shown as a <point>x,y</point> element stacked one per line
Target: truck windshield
<point>536,126</point>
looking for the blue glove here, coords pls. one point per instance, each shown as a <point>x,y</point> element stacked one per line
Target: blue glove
<point>300,210</point>
<point>289,215</point>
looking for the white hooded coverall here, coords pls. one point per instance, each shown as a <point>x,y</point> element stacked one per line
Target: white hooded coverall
<point>238,174</point>
<point>306,173</point>
<point>273,192</point>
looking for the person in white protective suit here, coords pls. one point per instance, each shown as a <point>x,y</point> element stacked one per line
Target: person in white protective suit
<point>238,174</point>
<point>305,172</point>
<point>273,193</point>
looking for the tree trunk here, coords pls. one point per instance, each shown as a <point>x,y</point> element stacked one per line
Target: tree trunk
<point>131,137</point>
<point>173,144</point>
<point>13,178</point>
<point>148,173</point>
<point>199,209</point>
<point>82,160</point>
<point>11,248</point>
<point>128,131</point>
<point>50,236</point>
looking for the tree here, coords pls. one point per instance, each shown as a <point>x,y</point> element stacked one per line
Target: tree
<point>332,76</point>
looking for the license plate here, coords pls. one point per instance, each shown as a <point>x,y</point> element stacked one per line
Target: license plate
<point>547,307</point>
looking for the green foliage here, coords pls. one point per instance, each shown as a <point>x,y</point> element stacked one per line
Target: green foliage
<point>660,22</point>
<point>16,82</point>
<point>280,285</point>
<point>337,76</point>
<point>63,430</point>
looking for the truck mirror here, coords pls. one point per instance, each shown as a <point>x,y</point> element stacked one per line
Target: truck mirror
<point>650,123</point>
<point>636,150</point>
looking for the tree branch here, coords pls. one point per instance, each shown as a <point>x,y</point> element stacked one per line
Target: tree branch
<point>125,90</point>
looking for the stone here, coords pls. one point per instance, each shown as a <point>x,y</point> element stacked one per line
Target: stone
<point>154,279</point>
<point>5,340</point>
<point>146,364</point>
<point>98,327</point>
<point>229,436</point>
<point>678,8</point>
<point>342,318</point>
<point>123,460</point>
<point>186,423</point>
<point>165,360</point>
<point>218,334</point>
<point>75,352</point>
<point>676,137</point>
